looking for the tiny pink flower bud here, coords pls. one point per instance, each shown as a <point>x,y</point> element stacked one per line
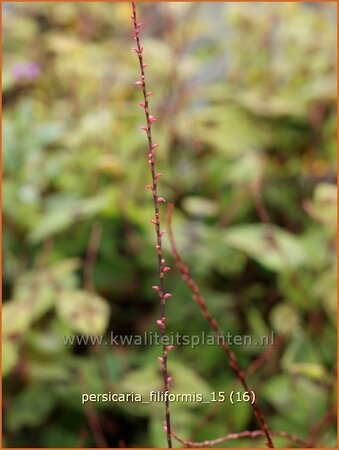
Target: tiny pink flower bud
<point>166,269</point>
<point>149,94</point>
<point>148,187</point>
<point>138,83</point>
<point>132,17</point>
<point>152,119</point>
<point>160,359</point>
<point>154,146</point>
<point>158,175</point>
<point>165,428</point>
<point>142,104</point>
<point>156,288</point>
<point>161,200</point>
<point>143,127</point>
<point>158,248</point>
<point>162,233</point>
<point>153,221</point>
<point>167,296</point>
<point>141,49</point>
<point>135,50</point>
<point>169,348</point>
<point>163,261</point>
<point>169,380</point>
<point>144,66</point>
<point>160,323</point>
<point>139,24</point>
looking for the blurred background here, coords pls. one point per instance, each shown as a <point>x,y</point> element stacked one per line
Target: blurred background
<point>245,100</point>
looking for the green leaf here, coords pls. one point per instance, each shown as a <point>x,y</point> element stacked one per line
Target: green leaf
<point>310,370</point>
<point>83,312</point>
<point>16,317</point>
<point>40,369</point>
<point>285,319</point>
<point>64,214</point>
<point>10,356</point>
<point>323,207</point>
<point>283,252</point>
<point>289,394</point>
<point>30,408</point>
<point>200,206</point>
<point>247,168</point>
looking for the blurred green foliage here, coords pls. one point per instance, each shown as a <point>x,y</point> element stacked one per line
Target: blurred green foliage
<point>245,99</point>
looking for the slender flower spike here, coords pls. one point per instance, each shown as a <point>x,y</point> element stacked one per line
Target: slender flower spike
<point>150,119</point>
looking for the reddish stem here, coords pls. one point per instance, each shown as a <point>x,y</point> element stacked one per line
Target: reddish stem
<point>162,269</point>
<point>241,435</point>
<point>213,323</point>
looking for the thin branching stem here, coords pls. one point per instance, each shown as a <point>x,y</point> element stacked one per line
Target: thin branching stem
<point>241,435</point>
<point>213,323</point>
<point>153,187</point>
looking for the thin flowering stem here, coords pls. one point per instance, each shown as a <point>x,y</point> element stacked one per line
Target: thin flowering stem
<point>213,323</point>
<point>153,187</point>
<point>241,435</point>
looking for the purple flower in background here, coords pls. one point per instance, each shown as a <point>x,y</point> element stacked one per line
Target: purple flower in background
<point>26,71</point>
